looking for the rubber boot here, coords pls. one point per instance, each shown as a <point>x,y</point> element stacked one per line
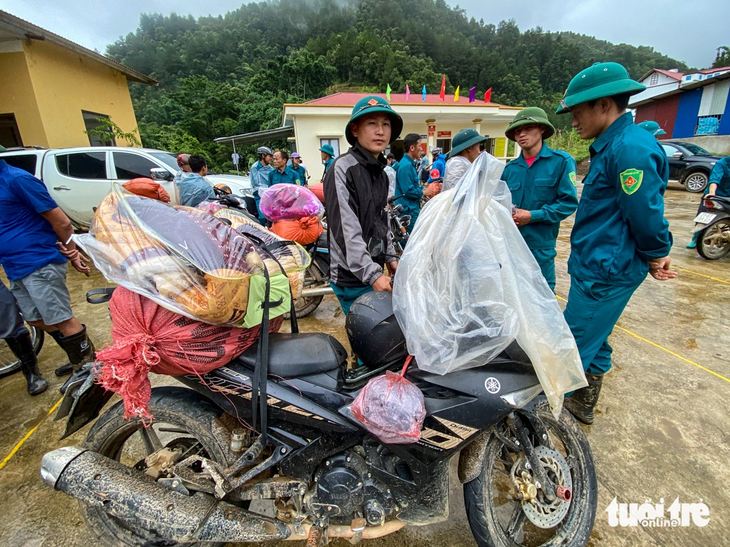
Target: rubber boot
<point>80,350</point>
<point>584,400</point>
<point>63,370</point>
<point>692,244</point>
<point>22,347</point>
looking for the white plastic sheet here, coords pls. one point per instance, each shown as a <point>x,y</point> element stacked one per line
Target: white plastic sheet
<point>467,286</point>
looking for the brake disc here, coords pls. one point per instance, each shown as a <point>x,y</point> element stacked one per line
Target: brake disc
<point>539,511</point>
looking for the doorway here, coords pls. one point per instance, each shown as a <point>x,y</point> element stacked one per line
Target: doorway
<point>9,132</point>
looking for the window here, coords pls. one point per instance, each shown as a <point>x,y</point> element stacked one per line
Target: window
<point>708,125</point>
<point>334,143</point>
<point>83,165</point>
<point>132,166</point>
<point>444,145</point>
<point>669,150</point>
<point>9,133</point>
<point>654,79</point>
<point>26,162</point>
<point>92,123</point>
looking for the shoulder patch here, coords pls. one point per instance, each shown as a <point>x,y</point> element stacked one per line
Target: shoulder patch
<point>572,178</point>
<point>631,180</point>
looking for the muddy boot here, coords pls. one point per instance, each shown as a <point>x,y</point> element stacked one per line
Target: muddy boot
<point>63,370</point>
<point>692,244</point>
<point>584,400</point>
<point>22,347</point>
<point>80,350</point>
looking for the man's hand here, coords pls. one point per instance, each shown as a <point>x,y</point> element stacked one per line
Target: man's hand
<point>392,267</point>
<point>659,269</point>
<point>76,258</point>
<point>521,217</point>
<point>428,191</point>
<point>382,284</point>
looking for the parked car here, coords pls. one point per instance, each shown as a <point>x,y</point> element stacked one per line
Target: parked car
<point>79,178</point>
<point>689,164</point>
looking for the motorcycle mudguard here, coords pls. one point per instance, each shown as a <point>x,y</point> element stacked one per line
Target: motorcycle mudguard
<point>82,403</point>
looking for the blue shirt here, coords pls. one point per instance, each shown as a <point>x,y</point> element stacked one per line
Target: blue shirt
<point>27,240</point>
<point>408,190</point>
<point>547,190</point>
<point>288,176</point>
<point>439,164</point>
<point>721,176</point>
<point>620,222</point>
<point>260,176</point>
<point>193,189</point>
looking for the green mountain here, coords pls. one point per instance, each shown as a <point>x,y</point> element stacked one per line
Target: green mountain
<point>231,74</point>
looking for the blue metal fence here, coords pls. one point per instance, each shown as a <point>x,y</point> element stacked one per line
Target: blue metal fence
<point>687,112</point>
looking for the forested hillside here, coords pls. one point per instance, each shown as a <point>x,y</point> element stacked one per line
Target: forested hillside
<point>231,74</point>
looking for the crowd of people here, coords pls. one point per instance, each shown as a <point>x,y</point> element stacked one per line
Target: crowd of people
<point>620,234</point>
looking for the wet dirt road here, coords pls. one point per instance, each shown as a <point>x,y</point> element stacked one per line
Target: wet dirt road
<point>662,431</point>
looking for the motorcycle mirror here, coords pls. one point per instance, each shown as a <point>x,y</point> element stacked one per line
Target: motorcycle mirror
<point>398,209</point>
<point>160,173</point>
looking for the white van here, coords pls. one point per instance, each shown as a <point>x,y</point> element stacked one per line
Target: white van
<point>78,179</point>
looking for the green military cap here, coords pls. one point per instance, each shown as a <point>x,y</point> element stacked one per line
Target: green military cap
<point>652,127</point>
<point>599,80</point>
<point>327,149</point>
<point>527,116</point>
<point>370,105</point>
<point>464,139</point>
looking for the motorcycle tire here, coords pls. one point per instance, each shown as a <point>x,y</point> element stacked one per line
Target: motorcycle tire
<point>486,518</point>
<point>9,364</point>
<point>116,437</point>
<point>709,252</point>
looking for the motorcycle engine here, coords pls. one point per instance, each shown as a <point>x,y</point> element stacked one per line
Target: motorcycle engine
<point>344,490</point>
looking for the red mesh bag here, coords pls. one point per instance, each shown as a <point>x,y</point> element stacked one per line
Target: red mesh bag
<point>304,231</point>
<point>149,338</point>
<point>391,408</point>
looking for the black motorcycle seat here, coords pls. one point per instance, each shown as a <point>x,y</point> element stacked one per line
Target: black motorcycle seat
<point>295,355</point>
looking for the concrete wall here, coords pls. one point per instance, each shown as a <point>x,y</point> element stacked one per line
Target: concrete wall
<point>18,97</point>
<point>65,83</point>
<point>716,144</point>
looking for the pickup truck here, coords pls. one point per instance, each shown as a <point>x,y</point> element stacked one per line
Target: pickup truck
<point>78,179</point>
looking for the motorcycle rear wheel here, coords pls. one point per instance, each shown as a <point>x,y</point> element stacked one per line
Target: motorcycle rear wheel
<point>127,441</point>
<point>710,251</point>
<point>498,520</point>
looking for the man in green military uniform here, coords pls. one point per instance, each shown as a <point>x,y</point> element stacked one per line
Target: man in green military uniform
<point>282,173</point>
<point>327,154</point>
<point>620,233</point>
<point>542,182</point>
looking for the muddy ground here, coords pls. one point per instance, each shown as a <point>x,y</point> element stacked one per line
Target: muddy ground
<point>662,429</point>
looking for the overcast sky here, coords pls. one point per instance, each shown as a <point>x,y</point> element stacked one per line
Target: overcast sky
<point>686,30</point>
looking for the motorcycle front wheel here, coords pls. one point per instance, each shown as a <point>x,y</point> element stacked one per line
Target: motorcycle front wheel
<point>181,418</point>
<point>498,519</point>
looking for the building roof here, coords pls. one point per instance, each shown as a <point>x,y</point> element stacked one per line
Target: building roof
<point>675,74</point>
<point>712,70</point>
<point>279,133</point>
<point>15,27</point>
<point>686,87</point>
<point>349,99</point>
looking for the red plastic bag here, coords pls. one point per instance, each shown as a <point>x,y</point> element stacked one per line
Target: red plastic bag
<point>391,408</point>
<point>304,230</point>
<point>147,188</point>
<point>149,338</point>
<point>318,190</point>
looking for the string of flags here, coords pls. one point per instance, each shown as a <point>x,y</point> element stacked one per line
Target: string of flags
<point>442,93</point>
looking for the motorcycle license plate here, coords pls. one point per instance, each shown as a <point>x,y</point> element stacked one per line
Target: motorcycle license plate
<point>705,218</point>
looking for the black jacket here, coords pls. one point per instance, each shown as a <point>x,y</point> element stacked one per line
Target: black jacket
<point>356,194</point>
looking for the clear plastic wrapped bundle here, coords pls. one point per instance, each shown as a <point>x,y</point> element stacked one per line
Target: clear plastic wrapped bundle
<point>468,286</point>
<point>289,202</point>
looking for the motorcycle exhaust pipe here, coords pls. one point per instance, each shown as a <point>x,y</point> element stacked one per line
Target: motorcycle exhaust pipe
<point>321,291</point>
<point>129,495</point>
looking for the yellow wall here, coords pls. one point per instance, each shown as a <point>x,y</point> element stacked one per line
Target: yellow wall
<point>65,83</point>
<point>17,97</point>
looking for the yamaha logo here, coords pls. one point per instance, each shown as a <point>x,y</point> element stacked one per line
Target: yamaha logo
<point>492,385</point>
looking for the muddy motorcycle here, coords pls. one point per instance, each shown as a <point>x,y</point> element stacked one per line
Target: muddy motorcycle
<point>197,475</point>
<point>713,224</point>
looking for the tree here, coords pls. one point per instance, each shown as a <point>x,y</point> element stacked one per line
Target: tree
<point>722,59</point>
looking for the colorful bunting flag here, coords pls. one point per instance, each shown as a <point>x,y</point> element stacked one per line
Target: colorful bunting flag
<point>387,93</point>
<point>442,94</point>
<point>456,95</point>
<point>472,94</point>
<point>423,100</point>
<point>408,92</point>
<point>488,95</point>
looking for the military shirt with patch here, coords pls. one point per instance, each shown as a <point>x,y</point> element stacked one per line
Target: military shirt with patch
<point>546,189</point>
<point>620,222</point>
